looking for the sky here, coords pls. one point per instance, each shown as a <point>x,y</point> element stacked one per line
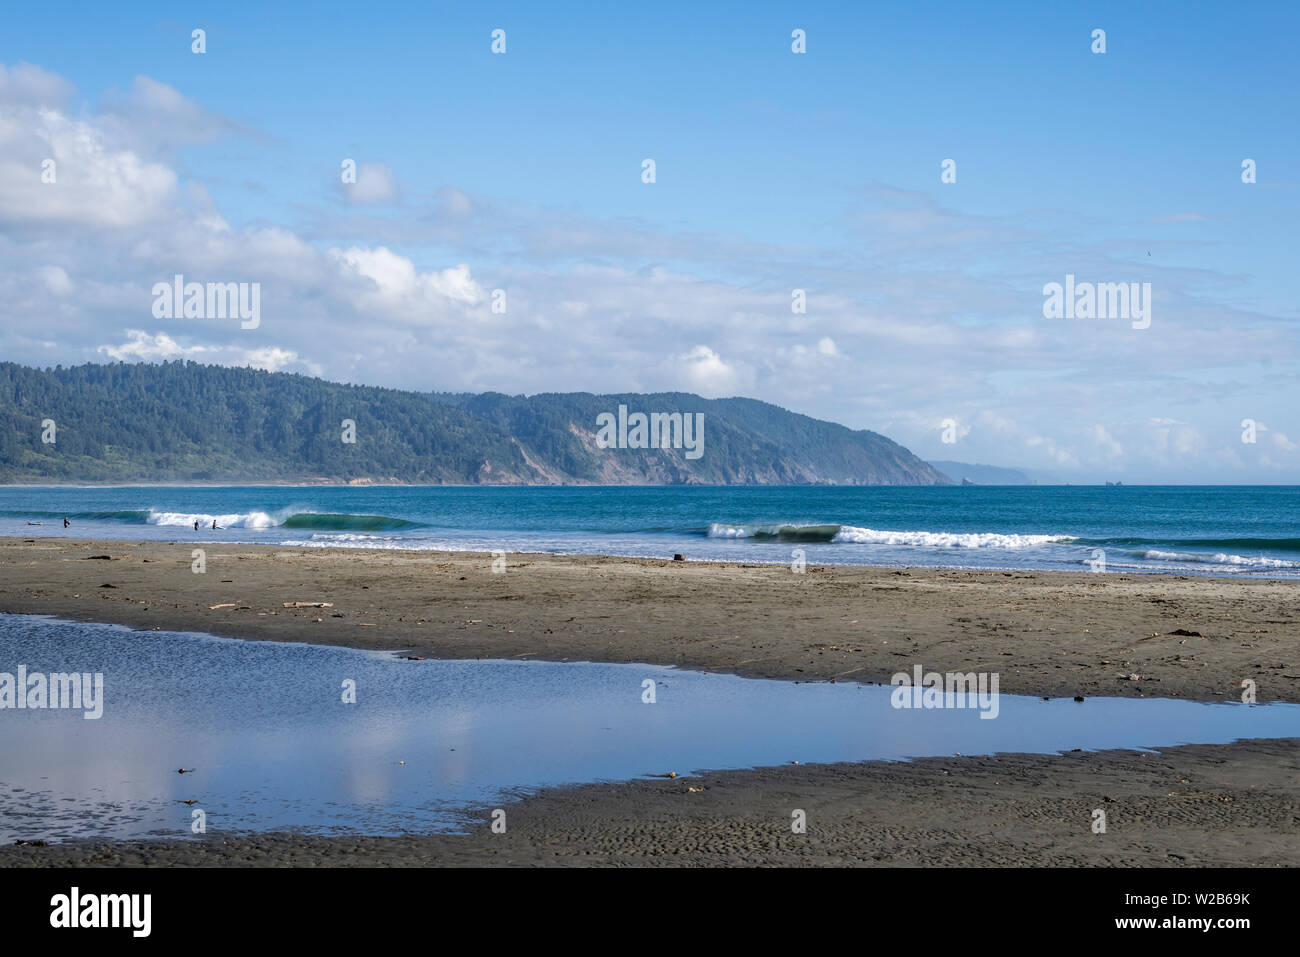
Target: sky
<point>500,233</point>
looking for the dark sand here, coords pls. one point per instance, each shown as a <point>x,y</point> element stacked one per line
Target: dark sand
<point>1045,633</point>
<point>1060,633</point>
<point>1198,805</point>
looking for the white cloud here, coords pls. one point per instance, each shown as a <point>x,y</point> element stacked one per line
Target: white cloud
<point>375,184</point>
<point>390,281</point>
<point>141,346</point>
<point>95,183</point>
<point>29,85</point>
<point>705,372</point>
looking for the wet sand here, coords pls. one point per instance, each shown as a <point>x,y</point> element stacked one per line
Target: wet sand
<point>1055,633</point>
<point>1199,805</point>
<point>1047,634</point>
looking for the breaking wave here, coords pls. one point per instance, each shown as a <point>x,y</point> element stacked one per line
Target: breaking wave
<point>853,535</point>
<point>1220,558</point>
<point>308,521</point>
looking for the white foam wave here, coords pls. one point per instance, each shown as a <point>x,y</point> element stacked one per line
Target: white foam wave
<point>870,536</point>
<point>229,520</point>
<point>717,530</point>
<point>852,534</point>
<point>1219,558</point>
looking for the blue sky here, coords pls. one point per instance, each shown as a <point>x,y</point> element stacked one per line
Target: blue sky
<point>775,171</point>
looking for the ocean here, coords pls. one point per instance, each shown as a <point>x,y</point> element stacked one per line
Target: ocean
<point>1239,531</point>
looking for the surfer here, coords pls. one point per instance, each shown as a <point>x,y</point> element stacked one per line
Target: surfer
<point>214,524</point>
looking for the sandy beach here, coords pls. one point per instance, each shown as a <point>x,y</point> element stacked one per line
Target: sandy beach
<point>1048,634</point>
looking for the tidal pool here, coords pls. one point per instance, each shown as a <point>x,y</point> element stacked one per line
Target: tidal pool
<point>274,747</point>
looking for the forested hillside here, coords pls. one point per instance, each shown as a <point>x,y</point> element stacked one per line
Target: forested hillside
<point>186,422</point>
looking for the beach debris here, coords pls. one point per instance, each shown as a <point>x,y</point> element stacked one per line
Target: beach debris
<point>30,844</point>
<point>106,585</point>
<point>185,770</point>
<point>1078,697</point>
<point>1189,634</point>
<point>402,763</point>
<point>98,558</point>
<point>308,604</point>
<point>416,658</point>
<point>679,558</point>
<point>229,604</point>
<point>693,790</point>
<point>188,803</point>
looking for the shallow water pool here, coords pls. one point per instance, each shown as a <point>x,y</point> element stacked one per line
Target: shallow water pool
<point>273,746</point>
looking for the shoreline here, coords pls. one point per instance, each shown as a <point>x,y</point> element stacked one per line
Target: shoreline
<point>1050,634</point>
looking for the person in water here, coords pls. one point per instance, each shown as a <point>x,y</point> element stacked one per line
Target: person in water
<point>214,524</point>
<point>66,523</point>
<point>196,525</point>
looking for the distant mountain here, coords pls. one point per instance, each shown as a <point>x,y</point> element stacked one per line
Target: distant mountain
<point>983,474</point>
<point>186,422</point>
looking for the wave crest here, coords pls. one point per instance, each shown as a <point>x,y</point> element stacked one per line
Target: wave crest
<point>308,521</point>
<point>1219,558</point>
<point>854,535</point>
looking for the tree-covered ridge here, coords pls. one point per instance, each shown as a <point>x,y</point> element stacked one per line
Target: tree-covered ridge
<point>182,422</point>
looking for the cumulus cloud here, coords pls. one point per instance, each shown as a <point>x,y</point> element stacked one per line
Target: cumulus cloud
<point>57,171</point>
<point>390,281</point>
<point>140,345</point>
<point>705,372</point>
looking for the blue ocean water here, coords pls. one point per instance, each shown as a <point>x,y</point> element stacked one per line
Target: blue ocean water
<point>1212,530</point>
